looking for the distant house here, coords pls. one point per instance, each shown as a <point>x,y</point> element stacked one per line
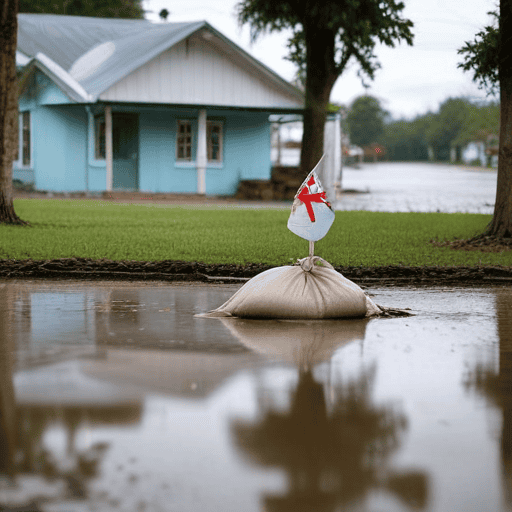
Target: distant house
<point>113,104</point>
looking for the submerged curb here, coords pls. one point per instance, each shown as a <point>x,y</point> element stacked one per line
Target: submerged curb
<point>171,270</point>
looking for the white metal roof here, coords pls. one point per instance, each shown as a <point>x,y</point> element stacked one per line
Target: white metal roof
<point>92,54</point>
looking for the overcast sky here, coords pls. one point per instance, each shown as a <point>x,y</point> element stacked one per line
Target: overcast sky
<point>412,80</point>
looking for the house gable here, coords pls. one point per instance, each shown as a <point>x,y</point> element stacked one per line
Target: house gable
<point>40,90</point>
<point>43,77</point>
<point>202,69</point>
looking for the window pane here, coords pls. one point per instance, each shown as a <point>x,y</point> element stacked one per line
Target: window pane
<point>26,138</point>
<point>99,138</point>
<point>214,141</point>
<point>184,141</point>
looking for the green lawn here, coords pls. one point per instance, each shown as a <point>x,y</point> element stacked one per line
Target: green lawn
<point>98,229</point>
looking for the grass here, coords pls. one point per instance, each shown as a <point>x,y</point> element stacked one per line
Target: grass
<point>98,229</point>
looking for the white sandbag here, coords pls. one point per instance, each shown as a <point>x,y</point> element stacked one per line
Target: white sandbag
<point>304,291</point>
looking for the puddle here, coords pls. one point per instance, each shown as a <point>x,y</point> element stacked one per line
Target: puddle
<point>114,396</point>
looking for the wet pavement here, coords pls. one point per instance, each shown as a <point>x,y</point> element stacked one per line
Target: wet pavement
<point>114,396</point>
<point>418,187</point>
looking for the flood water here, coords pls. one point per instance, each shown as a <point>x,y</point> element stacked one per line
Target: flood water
<point>418,187</point>
<point>114,396</point>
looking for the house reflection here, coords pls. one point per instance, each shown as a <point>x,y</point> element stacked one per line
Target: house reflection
<point>495,383</point>
<point>36,404</point>
<point>58,382</point>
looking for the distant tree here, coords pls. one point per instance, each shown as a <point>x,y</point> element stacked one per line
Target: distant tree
<point>8,108</point>
<point>94,8</point>
<point>365,121</point>
<point>446,125</point>
<point>164,14</point>
<point>482,125</point>
<point>406,140</point>
<point>326,35</point>
<point>489,58</point>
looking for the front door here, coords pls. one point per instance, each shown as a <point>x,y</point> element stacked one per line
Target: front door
<point>125,142</point>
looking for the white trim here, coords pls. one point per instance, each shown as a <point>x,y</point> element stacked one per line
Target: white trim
<point>21,59</point>
<point>109,154</point>
<point>201,155</point>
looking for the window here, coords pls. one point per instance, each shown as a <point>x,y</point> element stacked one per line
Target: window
<point>214,141</point>
<point>24,140</point>
<point>184,141</point>
<point>99,137</point>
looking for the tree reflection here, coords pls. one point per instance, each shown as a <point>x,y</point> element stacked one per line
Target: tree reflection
<point>496,384</point>
<point>23,427</point>
<point>333,455</point>
<point>7,409</point>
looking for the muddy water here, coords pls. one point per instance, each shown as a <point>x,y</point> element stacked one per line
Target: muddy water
<point>114,396</point>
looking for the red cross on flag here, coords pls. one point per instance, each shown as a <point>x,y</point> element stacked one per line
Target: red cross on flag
<point>311,216</point>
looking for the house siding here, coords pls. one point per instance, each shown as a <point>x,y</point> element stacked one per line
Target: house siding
<point>58,140</point>
<point>59,148</point>
<point>63,150</point>
<point>196,72</point>
<point>246,152</point>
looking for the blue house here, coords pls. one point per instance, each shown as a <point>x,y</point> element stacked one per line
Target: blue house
<point>114,104</point>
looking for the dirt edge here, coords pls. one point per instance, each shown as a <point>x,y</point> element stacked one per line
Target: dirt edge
<point>172,270</point>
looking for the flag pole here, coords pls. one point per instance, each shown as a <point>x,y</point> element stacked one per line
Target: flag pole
<point>311,249</point>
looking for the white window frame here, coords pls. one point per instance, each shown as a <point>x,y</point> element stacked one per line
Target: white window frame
<point>209,143</point>
<point>20,162</point>
<point>184,122</point>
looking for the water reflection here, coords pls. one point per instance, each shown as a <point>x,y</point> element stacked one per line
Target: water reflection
<point>334,454</point>
<point>334,451</point>
<point>302,343</point>
<point>495,383</point>
<point>7,408</point>
<point>248,415</point>
<point>44,408</point>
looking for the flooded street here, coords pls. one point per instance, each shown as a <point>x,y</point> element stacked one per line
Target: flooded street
<point>115,397</point>
<point>418,187</point>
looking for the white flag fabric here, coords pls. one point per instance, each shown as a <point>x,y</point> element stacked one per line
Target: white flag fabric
<point>311,216</point>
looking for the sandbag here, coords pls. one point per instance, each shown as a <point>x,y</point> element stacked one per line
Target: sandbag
<point>311,289</point>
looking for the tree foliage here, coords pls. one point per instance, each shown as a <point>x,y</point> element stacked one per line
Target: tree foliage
<point>481,56</point>
<point>365,121</point>
<point>446,125</point>
<point>325,36</point>
<point>94,8</point>
<point>408,140</point>
<point>405,140</point>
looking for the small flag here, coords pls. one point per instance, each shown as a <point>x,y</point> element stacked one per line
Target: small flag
<point>311,216</point>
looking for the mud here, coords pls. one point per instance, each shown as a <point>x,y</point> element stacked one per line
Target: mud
<point>171,270</point>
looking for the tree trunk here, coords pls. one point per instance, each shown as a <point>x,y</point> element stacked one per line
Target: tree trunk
<point>501,224</point>
<point>320,78</point>
<point>8,108</point>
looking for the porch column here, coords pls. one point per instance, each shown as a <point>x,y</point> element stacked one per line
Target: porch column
<point>109,154</point>
<point>201,152</point>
